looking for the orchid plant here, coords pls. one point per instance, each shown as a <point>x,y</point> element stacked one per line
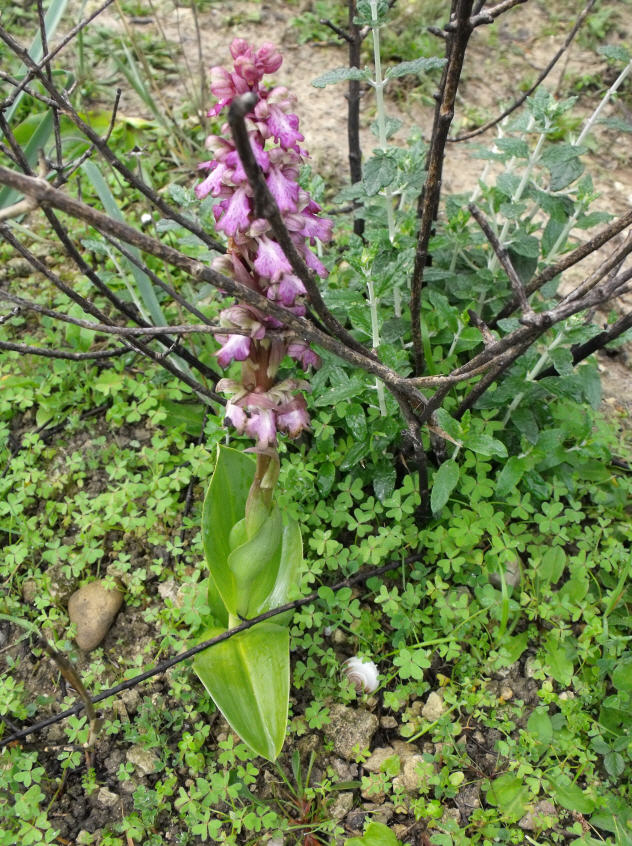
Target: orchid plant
<point>253,551</point>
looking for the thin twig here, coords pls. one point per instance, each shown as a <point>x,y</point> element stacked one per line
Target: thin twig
<point>266,207</point>
<point>570,259</point>
<point>190,653</point>
<point>47,195</point>
<point>456,45</point>
<point>503,257</point>
<point>130,177</point>
<point>26,349</point>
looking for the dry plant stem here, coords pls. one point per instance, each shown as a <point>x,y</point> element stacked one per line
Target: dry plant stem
<point>610,264</point>
<point>503,257</point>
<point>85,304</point>
<point>541,77</point>
<point>266,207</point>
<point>488,380</point>
<point>49,74</point>
<point>47,195</point>
<point>66,108</point>
<point>456,43</point>
<point>25,349</point>
<point>353,109</point>
<point>120,305</point>
<point>36,68</point>
<point>190,653</point>
<point>111,329</point>
<point>582,351</point>
<point>570,259</point>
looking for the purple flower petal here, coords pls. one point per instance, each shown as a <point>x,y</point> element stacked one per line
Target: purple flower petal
<point>290,287</point>
<point>293,417</point>
<point>268,58</point>
<point>314,263</point>
<point>262,426</point>
<point>234,348</point>
<point>284,127</point>
<point>303,354</point>
<point>236,214</point>
<point>271,261</point>
<point>284,190</point>
<point>236,417</point>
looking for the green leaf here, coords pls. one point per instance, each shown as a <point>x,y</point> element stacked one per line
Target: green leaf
<point>355,420</point>
<point>509,795</point>
<point>614,764</point>
<point>559,662</point>
<point>384,480</point>
<point>569,795</point>
<point>622,674</point>
<point>379,172</point>
<point>615,52</point>
<point>485,445</point>
<point>422,65</point>
<point>355,454</point>
<point>376,834</point>
<point>224,505</point>
<point>254,565</point>
<point>340,75</point>
<point>248,677</point>
<point>444,482</point>
<point>326,476</point>
<point>510,475</point>
<point>539,725</point>
<point>552,565</point>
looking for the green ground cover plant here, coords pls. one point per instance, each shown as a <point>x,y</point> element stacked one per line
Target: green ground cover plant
<point>464,507</point>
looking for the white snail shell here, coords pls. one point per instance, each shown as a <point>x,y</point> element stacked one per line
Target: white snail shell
<point>362,674</point>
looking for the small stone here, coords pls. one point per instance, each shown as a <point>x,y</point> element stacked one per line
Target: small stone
<point>541,817</point>
<point>511,572</point>
<point>434,707</point>
<point>106,798</point>
<point>29,590</point>
<point>530,669</point>
<point>93,609</point>
<point>351,730</point>
<point>341,806</point>
<point>380,813</point>
<point>388,723</point>
<point>415,774</point>
<point>168,590</point>
<point>145,761</point>
<point>378,757</point>
<point>506,693</point>
<point>451,814</point>
<point>60,586</point>
<point>566,694</point>
<point>373,789</point>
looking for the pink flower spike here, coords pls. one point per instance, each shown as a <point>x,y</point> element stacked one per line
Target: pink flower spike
<point>271,261</point>
<point>239,47</point>
<point>262,426</point>
<point>236,213</point>
<point>221,83</point>
<point>235,348</point>
<point>284,127</point>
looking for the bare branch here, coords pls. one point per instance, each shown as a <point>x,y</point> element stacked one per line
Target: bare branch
<point>47,195</point>
<point>266,207</point>
<point>25,349</point>
<point>456,45</point>
<point>541,77</point>
<point>201,647</point>
<point>503,257</point>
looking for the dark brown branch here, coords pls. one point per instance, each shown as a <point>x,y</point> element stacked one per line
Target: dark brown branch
<point>190,653</point>
<point>265,206</point>
<point>541,77</point>
<point>593,345</point>
<point>85,304</point>
<point>66,108</point>
<point>36,68</point>
<point>356,37</point>
<point>49,74</point>
<point>25,349</point>
<point>47,195</point>
<point>503,257</point>
<point>570,259</point>
<point>456,45</point>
